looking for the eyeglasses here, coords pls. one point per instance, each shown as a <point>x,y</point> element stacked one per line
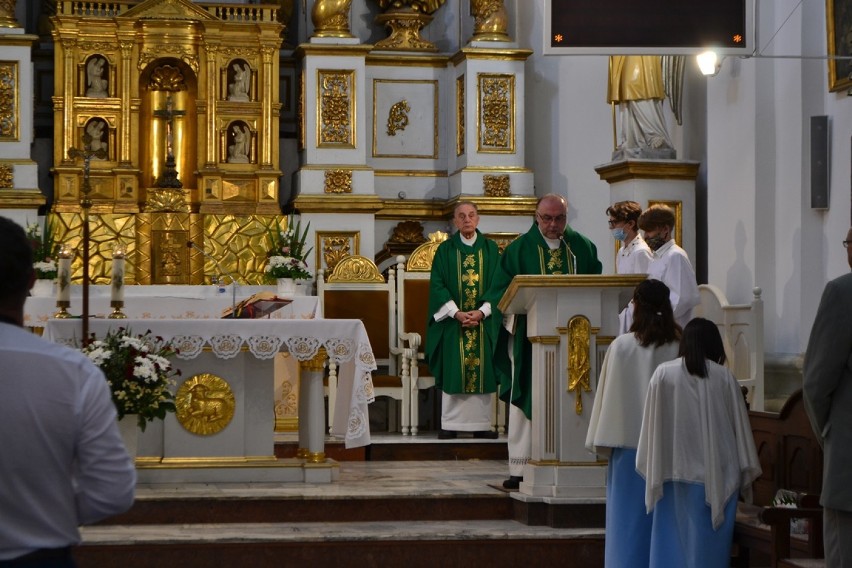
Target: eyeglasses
<point>549,219</point>
<point>614,222</point>
<point>846,244</point>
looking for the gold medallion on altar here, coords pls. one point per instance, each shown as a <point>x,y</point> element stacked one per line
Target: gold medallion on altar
<point>205,404</point>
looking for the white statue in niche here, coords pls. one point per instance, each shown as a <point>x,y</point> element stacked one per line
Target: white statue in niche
<point>238,152</point>
<point>95,129</point>
<point>239,89</point>
<point>94,78</point>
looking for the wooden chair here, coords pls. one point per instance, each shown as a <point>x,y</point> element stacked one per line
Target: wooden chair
<point>741,327</point>
<point>356,290</point>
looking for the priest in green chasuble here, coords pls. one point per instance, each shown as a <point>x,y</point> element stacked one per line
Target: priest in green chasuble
<point>458,348</point>
<point>549,247</point>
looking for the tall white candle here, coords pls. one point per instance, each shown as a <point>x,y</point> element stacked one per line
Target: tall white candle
<point>117,284</point>
<point>63,293</point>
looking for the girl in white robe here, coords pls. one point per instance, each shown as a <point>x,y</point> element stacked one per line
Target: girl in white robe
<point>617,419</point>
<point>696,453</point>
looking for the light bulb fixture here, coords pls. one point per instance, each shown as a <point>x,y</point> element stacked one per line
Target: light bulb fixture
<point>709,63</point>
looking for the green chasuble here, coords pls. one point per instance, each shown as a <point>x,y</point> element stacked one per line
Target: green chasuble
<point>529,254</point>
<point>460,358</point>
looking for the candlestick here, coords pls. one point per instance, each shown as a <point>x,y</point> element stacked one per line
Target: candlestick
<point>117,283</point>
<point>63,275</point>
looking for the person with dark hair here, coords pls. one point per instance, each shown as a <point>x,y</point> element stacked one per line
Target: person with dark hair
<point>458,349</point>
<point>62,462</point>
<point>617,418</point>
<point>549,247</point>
<point>670,265</point>
<point>827,392</point>
<point>634,256</point>
<point>696,453</point>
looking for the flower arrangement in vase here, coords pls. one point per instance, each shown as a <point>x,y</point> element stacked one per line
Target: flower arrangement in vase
<point>286,255</point>
<point>138,371</point>
<point>44,250</point>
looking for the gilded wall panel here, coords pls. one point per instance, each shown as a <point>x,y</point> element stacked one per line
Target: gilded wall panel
<point>9,120</point>
<point>106,232</point>
<point>333,246</point>
<point>496,113</point>
<point>335,108</point>
<point>401,133</point>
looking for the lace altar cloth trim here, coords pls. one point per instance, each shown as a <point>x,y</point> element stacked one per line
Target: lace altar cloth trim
<point>345,341</point>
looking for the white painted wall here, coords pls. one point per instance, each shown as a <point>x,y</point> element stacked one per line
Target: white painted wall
<point>750,127</point>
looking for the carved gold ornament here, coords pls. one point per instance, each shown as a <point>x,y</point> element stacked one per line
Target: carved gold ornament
<point>356,269</point>
<point>338,181</point>
<point>8,100</point>
<point>496,186</point>
<point>331,18</point>
<point>166,200</point>
<point>407,232</point>
<point>7,14</point>
<point>6,177</point>
<point>579,341</point>
<point>490,20</point>
<point>422,257</point>
<point>333,246</point>
<point>406,18</point>
<point>496,113</point>
<point>398,117</point>
<point>205,404</point>
<point>336,114</point>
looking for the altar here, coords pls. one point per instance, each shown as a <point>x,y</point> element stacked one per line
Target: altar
<point>235,358</point>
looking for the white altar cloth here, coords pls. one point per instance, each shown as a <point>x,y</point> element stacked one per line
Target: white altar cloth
<point>345,341</point>
<point>164,302</point>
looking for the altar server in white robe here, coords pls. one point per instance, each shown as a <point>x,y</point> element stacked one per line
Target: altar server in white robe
<point>634,255</point>
<point>696,453</point>
<point>616,420</point>
<point>670,265</point>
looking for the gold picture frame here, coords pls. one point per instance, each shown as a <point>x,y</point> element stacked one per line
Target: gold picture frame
<point>838,15</point>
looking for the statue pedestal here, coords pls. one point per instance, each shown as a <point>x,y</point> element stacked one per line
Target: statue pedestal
<point>649,182</point>
<point>571,320</point>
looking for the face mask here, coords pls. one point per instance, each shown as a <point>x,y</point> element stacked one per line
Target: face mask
<point>619,233</point>
<point>655,242</point>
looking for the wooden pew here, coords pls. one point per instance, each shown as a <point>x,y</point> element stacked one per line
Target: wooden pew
<point>791,459</point>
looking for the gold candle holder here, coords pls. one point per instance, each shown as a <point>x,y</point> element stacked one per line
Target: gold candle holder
<point>116,306</point>
<point>62,312</point>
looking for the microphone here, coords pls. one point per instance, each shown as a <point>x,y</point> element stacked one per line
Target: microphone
<point>568,248</point>
<point>192,245</point>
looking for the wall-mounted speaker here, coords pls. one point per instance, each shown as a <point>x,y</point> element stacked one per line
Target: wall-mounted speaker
<point>819,162</point>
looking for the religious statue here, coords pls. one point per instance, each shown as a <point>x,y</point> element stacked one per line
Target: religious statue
<point>94,78</point>
<point>95,129</point>
<point>238,152</point>
<point>239,89</point>
<point>639,85</point>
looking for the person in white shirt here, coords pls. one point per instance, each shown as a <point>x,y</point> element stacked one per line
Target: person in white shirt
<point>634,256</point>
<point>616,419</point>
<point>62,461</point>
<point>696,452</point>
<point>670,265</point>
